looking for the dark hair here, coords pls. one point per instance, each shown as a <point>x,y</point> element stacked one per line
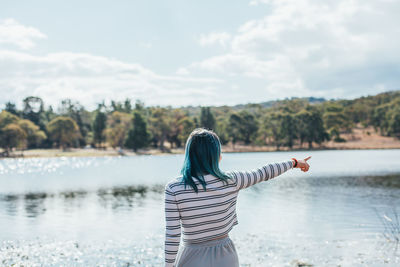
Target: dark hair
<point>202,153</point>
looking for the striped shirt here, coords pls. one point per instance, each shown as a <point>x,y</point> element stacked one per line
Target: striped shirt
<point>210,213</point>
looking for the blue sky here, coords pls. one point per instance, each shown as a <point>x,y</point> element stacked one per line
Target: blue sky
<point>197,52</point>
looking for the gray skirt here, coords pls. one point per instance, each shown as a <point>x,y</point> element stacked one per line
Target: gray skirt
<point>214,253</point>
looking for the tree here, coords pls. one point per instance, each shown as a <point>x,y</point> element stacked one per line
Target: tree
<point>11,136</point>
<point>127,106</point>
<point>7,118</point>
<point>336,121</point>
<point>64,131</point>
<point>11,125</point>
<point>288,129</point>
<point>118,126</point>
<point>311,126</point>
<point>249,126</point>
<point>394,123</point>
<point>116,106</point>
<point>99,125</point>
<point>12,108</point>
<point>159,126</point>
<point>234,132</point>
<point>138,136</point>
<point>81,116</point>
<point>186,125</point>
<point>221,130</point>
<point>271,128</point>
<point>175,127</point>
<point>33,110</point>
<point>242,127</point>
<point>207,119</point>
<point>34,136</point>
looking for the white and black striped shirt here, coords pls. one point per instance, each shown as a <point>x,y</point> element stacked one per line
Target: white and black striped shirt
<point>210,213</point>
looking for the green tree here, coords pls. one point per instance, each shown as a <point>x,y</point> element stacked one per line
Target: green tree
<point>80,115</point>
<point>63,131</point>
<point>127,106</point>
<point>242,127</point>
<point>12,108</point>
<point>394,122</point>
<point>336,121</point>
<point>11,136</point>
<point>288,129</point>
<point>159,126</point>
<point>271,129</point>
<point>311,126</point>
<point>175,127</point>
<point>207,119</point>
<point>34,136</point>
<point>117,106</point>
<point>138,136</point>
<point>221,130</point>
<point>99,126</point>
<point>118,127</point>
<point>33,110</point>
<point>186,125</point>
<point>7,118</point>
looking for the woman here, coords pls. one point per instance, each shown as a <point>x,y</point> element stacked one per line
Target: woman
<point>202,202</point>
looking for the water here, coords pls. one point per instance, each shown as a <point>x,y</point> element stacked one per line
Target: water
<point>109,211</point>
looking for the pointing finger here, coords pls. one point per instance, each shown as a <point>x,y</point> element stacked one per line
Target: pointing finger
<point>307,158</point>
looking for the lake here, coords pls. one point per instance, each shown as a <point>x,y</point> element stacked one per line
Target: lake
<point>109,211</point>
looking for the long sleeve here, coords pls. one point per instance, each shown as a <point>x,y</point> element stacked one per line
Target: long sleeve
<point>245,179</point>
<point>172,227</point>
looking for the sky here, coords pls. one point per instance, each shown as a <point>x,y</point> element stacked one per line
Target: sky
<point>184,52</point>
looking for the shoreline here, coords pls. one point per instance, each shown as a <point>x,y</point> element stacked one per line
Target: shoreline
<point>91,152</point>
<point>359,139</point>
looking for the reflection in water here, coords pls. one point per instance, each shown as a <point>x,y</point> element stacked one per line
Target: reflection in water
<point>34,204</point>
<point>116,197</point>
<point>130,196</point>
<point>11,202</point>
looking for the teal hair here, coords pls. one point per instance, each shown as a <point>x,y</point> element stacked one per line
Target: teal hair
<point>202,153</point>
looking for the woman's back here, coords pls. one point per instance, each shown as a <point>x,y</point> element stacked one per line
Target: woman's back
<point>207,214</point>
<point>210,213</point>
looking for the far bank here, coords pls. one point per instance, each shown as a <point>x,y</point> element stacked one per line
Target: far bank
<point>359,139</point>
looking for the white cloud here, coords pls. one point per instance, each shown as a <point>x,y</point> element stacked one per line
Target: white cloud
<point>325,48</point>
<point>220,38</point>
<point>182,71</point>
<point>12,32</point>
<point>300,48</point>
<point>88,78</point>
<point>91,79</point>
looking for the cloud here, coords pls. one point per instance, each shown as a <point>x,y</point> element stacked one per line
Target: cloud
<point>325,48</point>
<point>299,48</point>
<point>12,32</point>
<point>220,38</point>
<point>182,71</point>
<point>91,79</point>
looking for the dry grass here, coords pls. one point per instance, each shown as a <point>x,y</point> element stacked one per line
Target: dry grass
<point>364,138</point>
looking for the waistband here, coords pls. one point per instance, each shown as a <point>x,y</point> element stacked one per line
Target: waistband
<point>210,243</point>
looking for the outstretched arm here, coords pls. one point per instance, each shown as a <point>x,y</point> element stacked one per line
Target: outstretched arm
<point>172,228</point>
<point>245,179</point>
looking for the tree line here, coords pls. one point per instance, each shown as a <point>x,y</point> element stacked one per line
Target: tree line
<point>127,125</point>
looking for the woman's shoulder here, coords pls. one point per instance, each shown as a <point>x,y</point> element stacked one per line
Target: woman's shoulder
<point>176,182</point>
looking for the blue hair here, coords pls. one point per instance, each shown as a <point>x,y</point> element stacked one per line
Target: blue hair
<point>202,153</point>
